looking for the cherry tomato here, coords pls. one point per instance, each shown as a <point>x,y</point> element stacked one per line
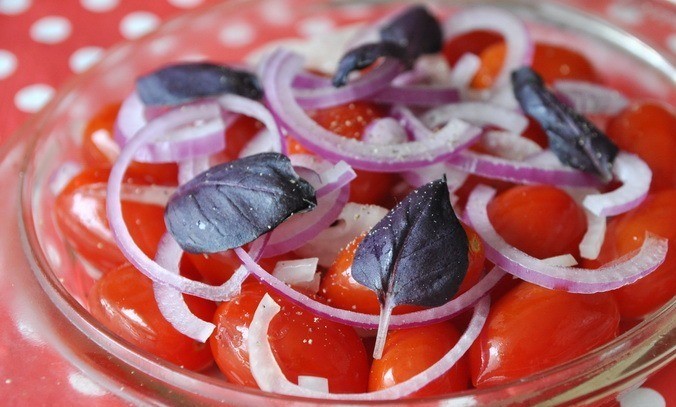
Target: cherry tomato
<point>473,42</point>
<point>80,213</point>
<point>533,328</point>
<point>342,291</point>
<point>123,301</point>
<point>408,352</point>
<point>102,125</point>
<point>625,234</point>
<point>649,130</point>
<point>303,343</point>
<point>550,61</point>
<point>218,268</point>
<point>540,220</point>
<point>350,120</point>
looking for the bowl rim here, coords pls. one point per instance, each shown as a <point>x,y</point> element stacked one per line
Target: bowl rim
<point>30,134</point>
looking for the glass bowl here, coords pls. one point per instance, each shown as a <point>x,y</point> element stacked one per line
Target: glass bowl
<point>224,33</point>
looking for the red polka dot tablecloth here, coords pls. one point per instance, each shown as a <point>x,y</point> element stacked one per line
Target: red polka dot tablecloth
<point>42,44</point>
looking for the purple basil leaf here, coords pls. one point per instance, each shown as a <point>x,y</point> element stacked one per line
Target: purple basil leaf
<point>417,254</point>
<point>233,203</point>
<point>574,139</point>
<point>182,83</point>
<point>411,34</point>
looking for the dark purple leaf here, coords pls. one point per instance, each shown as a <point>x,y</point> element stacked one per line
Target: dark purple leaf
<point>574,139</point>
<point>409,35</point>
<point>233,203</point>
<point>182,83</point>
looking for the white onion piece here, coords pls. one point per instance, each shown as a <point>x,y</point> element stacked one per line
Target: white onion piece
<point>269,375</point>
<point>358,319</point>
<point>354,220</point>
<point>635,176</point>
<point>278,72</point>
<point>300,273</point>
<point>170,301</point>
<point>518,42</point>
<point>154,129</point>
<point>385,131</point>
<point>106,145</point>
<point>579,280</point>
<point>592,241</point>
<point>454,178</point>
<point>361,88</point>
<point>564,260</point>
<point>315,383</point>
<point>464,70</point>
<point>251,108</point>
<point>590,98</point>
<point>478,113</point>
<point>509,145</point>
<point>130,119</point>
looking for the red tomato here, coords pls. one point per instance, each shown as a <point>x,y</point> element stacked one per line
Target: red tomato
<point>80,212</point>
<point>217,269</point>
<point>550,61</point>
<point>342,291</point>
<point>540,220</point>
<point>625,234</point>
<point>239,134</point>
<point>473,42</point>
<point>123,301</point>
<point>649,130</point>
<point>303,344</point>
<point>102,125</point>
<point>350,120</point>
<point>410,351</point>
<point>533,328</point>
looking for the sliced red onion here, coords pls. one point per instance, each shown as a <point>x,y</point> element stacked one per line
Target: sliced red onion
<point>269,375</point>
<point>262,142</point>
<point>361,88</point>
<point>125,242</point>
<point>145,194</point>
<point>635,176</point>
<point>592,241</point>
<point>278,72</point>
<point>416,95</point>
<point>357,319</point>
<point>509,145</point>
<point>354,220</point>
<point>478,113</point>
<point>420,132</point>
<point>203,136</point>
<point>314,383</point>
<point>520,172</point>
<point>518,42</point>
<point>420,177</point>
<point>464,70</point>
<point>590,98</point>
<point>579,280</point>
<point>301,273</point>
<point>385,131</point>
<point>170,301</point>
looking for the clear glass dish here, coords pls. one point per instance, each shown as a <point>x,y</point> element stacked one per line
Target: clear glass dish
<point>53,137</point>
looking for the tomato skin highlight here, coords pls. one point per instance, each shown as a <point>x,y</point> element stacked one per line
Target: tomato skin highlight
<point>626,233</point>
<point>473,42</point>
<point>123,300</point>
<point>648,130</point>
<point>540,220</point>
<point>80,213</point>
<point>303,343</point>
<point>532,328</point>
<point>410,351</point>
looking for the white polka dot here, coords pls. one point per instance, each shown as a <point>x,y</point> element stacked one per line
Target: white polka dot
<point>276,12</point>
<point>14,6</point>
<point>50,29</point>
<point>625,13</point>
<point>642,397</point>
<point>138,23</point>
<point>99,6</point>
<point>315,26</point>
<point>84,57</point>
<point>31,98</point>
<point>671,42</point>
<point>237,34</point>
<point>185,3</point>
<point>7,63</point>
<point>84,385</point>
